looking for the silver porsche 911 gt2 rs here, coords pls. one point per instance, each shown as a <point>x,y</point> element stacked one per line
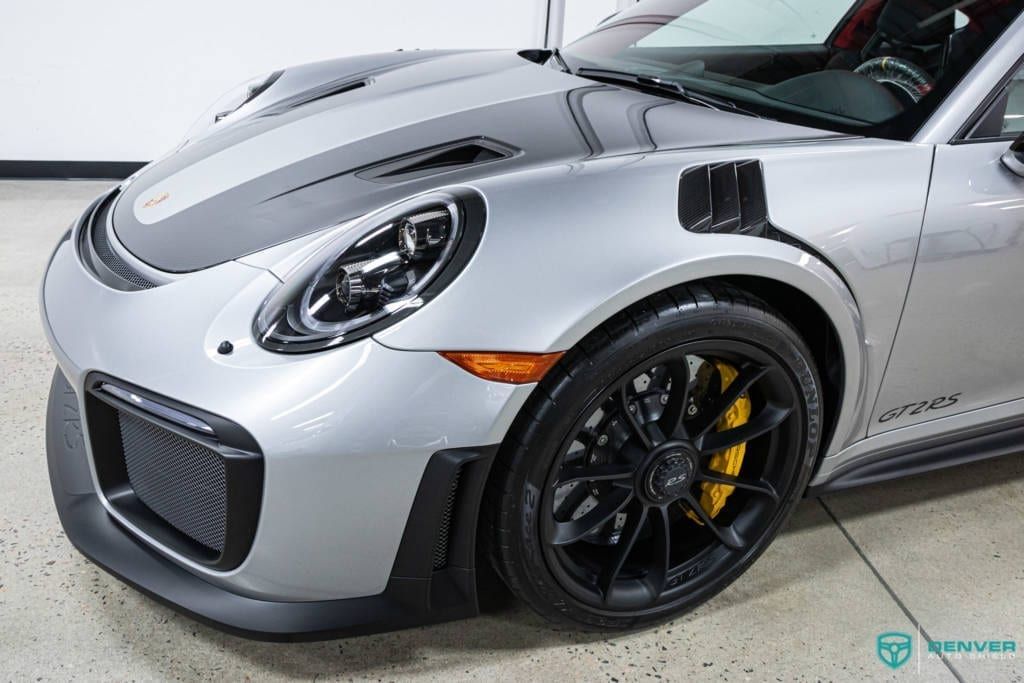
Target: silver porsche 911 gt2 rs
<point>595,318</point>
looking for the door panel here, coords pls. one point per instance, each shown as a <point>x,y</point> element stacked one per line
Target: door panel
<point>961,336</point>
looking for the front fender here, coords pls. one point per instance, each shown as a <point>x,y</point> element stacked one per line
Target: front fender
<point>560,256</point>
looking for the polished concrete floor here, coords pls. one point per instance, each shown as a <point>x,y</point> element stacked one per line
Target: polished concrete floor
<point>943,552</point>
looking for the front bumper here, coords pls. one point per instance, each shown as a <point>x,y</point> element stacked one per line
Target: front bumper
<point>416,592</point>
<point>350,439</point>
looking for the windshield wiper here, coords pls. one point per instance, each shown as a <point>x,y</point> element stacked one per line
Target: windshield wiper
<point>664,86</point>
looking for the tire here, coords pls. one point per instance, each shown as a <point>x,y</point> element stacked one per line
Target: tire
<point>601,581</point>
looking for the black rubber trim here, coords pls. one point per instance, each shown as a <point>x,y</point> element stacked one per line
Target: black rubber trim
<point>933,454</point>
<point>241,455</point>
<point>69,170</point>
<point>415,594</point>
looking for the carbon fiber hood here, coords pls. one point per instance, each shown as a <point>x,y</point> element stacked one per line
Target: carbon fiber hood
<point>298,161</point>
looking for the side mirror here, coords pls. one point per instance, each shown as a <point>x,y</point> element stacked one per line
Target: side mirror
<point>1013,158</point>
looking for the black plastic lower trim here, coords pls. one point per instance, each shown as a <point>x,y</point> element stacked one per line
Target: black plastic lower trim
<point>69,170</point>
<point>933,454</point>
<point>415,595</point>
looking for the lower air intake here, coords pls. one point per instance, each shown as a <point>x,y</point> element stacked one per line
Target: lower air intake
<point>177,476</point>
<point>445,527</point>
<point>181,481</point>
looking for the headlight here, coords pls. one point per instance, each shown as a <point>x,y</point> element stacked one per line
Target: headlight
<point>228,103</point>
<point>374,273</point>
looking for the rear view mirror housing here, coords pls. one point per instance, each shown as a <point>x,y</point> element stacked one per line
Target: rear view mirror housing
<point>1013,158</point>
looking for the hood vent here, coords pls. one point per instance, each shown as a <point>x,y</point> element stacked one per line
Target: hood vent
<point>724,198</point>
<point>450,157</point>
<point>329,90</point>
<point>313,95</point>
<point>99,256</point>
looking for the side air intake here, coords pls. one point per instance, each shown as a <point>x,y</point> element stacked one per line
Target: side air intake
<point>449,157</point>
<point>724,198</point>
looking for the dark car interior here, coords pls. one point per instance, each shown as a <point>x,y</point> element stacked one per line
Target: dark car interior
<point>883,60</point>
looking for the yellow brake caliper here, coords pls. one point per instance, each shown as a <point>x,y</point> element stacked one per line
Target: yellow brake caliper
<point>714,496</point>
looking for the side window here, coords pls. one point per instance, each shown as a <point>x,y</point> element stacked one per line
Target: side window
<point>1013,119</point>
<point>1004,118</point>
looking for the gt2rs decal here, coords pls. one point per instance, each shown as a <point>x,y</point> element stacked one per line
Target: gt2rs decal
<point>920,407</point>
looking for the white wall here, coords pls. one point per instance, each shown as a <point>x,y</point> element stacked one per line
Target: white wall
<point>121,80</point>
<point>581,16</point>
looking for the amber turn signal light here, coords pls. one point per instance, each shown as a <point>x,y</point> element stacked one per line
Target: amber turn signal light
<point>510,368</point>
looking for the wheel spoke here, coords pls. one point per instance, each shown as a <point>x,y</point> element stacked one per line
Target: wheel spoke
<point>636,515</point>
<point>726,534</point>
<point>654,433</point>
<point>633,454</point>
<point>563,533</point>
<point>619,430</point>
<point>647,443</point>
<point>586,436</point>
<point>770,417</point>
<point>760,487</point>
<point>661,552</point>
<point>674,415</point>
<point>572,475</point>
<point>571,502</point>
<point>631,411</point>
<point>749,375</point>
<point>659,377</point>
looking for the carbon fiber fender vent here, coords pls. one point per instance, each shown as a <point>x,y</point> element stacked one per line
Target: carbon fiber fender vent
<point>730,198</point>
<point>444,529</point>
<point>724,198</point>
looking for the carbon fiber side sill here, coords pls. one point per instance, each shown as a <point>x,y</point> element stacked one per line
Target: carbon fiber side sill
<point>905,461</point>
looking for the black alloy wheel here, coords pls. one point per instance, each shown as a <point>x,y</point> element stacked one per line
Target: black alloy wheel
<point>657,461</point>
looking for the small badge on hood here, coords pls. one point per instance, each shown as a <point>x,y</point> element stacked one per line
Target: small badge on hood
<point>156,199</point>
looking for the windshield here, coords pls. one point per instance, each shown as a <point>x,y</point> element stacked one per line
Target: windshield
<point>869,66</point>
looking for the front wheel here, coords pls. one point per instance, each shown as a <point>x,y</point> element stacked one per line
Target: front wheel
<point>654,464</point>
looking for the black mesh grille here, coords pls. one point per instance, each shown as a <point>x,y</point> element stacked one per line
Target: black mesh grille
<point>445,528</point>
<point>181,481</point>
<point>106,254</point>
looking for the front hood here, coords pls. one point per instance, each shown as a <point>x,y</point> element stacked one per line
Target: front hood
<point>293,167</point>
